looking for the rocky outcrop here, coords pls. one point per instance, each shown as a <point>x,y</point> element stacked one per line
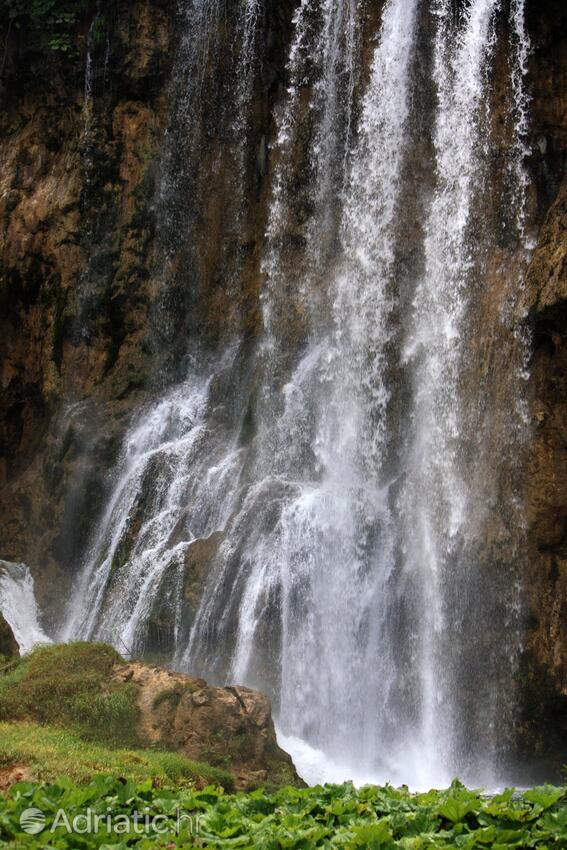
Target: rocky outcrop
<point>8,644</point>
<point>230,727</point>
<point>88,689</point>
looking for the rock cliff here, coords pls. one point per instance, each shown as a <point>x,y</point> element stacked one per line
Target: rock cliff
<point>76,239</point>
<point>544,666</point>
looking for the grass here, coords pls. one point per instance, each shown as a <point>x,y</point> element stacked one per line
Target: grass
<point>65,716</point>
<point>51,752</point>
<point>70,685</point>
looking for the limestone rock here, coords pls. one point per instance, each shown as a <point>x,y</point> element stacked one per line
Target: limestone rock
<point>229,727</point>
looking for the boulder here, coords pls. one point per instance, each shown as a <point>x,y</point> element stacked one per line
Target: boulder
<point>229,727</point>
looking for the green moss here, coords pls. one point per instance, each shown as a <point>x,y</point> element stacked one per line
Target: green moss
<point>70,685</point>
<point>50,752</point>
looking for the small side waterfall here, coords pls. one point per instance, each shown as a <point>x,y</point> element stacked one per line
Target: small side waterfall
<point>18,605</point>
<point>350,478</point>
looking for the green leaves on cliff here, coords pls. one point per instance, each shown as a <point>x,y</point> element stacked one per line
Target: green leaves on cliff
<point>338,816</point>
<point>51,22</point>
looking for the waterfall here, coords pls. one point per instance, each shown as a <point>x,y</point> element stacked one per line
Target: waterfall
<point>170,491</point>
<point>329,557</point>
<point>163,493</point>
<point>435,500</point>
<point>18,605</point>
<point>344,479</point>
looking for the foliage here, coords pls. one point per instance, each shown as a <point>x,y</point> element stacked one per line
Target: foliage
<point>50,21</point>
<point>50,752</point>
<point>333,816</point>
<point>70,685</point>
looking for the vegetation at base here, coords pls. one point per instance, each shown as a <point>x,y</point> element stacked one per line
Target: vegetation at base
<point>336,816</point>
<point>48,753</point>
<point>50,22</point>
<point>69,685</point>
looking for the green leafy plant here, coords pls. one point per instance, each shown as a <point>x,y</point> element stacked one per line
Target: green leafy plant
<point>331,816</point>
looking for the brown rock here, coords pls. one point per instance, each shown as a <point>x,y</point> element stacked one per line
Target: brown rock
<point>229,727</point>
<point>544,718</point>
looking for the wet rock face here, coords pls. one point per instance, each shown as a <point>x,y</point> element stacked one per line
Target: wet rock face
<point>75,247</point>
<point>543,717</point>
<point>228,727</point>
<point>545,662</point>
<point>547,23</point>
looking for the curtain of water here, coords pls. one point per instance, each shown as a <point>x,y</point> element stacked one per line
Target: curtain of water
<point>325,566</point>
<point>435,500</point>
<point>351,522</point>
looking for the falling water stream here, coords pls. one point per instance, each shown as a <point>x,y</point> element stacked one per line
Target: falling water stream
<point>345,536</point>
<point>18,605</point>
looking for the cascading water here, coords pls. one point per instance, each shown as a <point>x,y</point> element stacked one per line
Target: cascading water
<point>18,605</point>
<point>345,533</point>
<point>435,502</point>
<point>170,492</point>
<point>327,561</point>
<point>136,559</point>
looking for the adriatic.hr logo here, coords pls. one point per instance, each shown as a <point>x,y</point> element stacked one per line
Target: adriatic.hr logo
<point>32,821</point>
